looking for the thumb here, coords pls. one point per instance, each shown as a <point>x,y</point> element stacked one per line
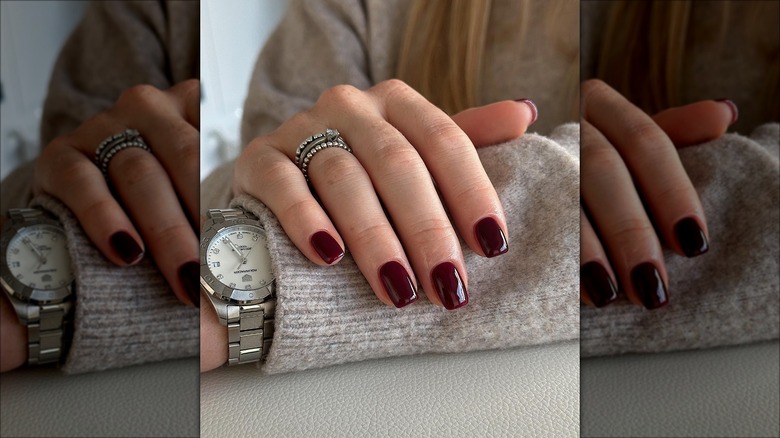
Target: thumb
<point>497,122</point>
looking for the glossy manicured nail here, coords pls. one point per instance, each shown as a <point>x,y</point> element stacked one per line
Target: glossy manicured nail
<point>326,246</point>
<point>491,238</point>
<point>733,107</point>
<point>649,286</point>
<point>449,286</point>
<point>691,237</point>
<point>189,275</point>
<point>127,248</point>
<point>534,110</point>
<point>597,284</point>
<point>398,284</point>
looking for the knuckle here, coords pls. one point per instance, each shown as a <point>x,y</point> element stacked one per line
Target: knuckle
<point>392,86</point>
<point>137,95</point>
<point>342,96</point>
<point>297,208</point>
<point>395,155</point>
<point>431,232</point>
<point>171,234</point>
<point>600,159</point>
<point>136,169</point>
<point>369,234</point>
<point>274,174</point>
<point>335,168</point>
<point>96,208</point>
<point>631,231</point>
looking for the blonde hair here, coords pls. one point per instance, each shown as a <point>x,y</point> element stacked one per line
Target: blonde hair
<point>442,50</point>
<point>443,47</point>
<point>642,50</point>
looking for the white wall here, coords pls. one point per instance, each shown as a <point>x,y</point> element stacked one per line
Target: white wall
<point>31,35</point>
<point>231,36</point>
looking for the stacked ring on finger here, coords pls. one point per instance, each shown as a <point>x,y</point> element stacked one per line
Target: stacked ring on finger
<point>111,146</point>
<point>317,142</point>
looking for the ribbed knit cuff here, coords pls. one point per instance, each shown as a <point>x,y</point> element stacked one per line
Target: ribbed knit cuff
<point>123,315</point>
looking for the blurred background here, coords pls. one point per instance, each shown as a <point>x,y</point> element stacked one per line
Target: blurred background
<point>32,33</point>
<point>226,63</point>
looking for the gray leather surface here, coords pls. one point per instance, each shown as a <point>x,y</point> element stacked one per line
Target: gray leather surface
<point>721,392</point>
<point>520,392</point>
<point>159,399</point>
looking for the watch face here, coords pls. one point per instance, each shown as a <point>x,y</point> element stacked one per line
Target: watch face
<point>37,257</point>
<point>238,258</point>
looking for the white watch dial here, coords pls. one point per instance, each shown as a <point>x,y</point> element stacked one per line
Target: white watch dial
<point>38,257</point>
<point>238,257</point>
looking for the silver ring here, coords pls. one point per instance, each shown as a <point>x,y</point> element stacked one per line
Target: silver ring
<point>317,142</point>
<point>108,148</point>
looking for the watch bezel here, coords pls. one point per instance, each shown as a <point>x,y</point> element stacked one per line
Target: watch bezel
<point>11,285</point>
<point>216,288</point>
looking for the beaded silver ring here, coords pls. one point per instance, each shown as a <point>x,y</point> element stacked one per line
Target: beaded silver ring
<point>108,148</point>
<point>317,142</point>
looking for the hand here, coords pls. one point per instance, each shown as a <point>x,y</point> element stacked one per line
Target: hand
<point>151,200</point>
<point>484,126</point>
<point>627,158</point>
<point>399,141</point>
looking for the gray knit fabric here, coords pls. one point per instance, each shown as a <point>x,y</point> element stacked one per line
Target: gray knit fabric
<point>731,294</point>
<point>123,316</point>
<point>529,296</point>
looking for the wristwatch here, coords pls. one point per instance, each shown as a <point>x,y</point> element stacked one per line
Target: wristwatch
<point>36,275</point>
<point>235,272</point>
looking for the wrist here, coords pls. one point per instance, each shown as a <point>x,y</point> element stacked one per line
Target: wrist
<point>13,337</point>
<point>213,339</point>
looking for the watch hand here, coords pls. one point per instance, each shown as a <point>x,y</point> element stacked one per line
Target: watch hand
<point>35,250</point>
<point>235,248</point>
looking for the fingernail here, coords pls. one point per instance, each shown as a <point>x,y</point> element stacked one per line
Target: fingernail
<point>597,284</point>
<point>649,286</point>
<point>327,247</point>
<point>398,284</point>
<point>532,105</point>
<point>691,237</point>
<point>449,286</point>
<point>733,107</point>
<point>491,238</point>
<point>189,275</point>
<point>127,248</point>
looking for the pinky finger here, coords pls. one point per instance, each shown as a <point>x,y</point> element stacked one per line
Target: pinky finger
<point>279,184</point>
<point>597,281</point>
<point>78,183</point>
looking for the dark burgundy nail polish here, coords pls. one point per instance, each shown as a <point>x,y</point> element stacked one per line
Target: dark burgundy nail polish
<point>597,283</point>
<point>733,107</point>
<point>189,275</point>
<point>127,248</point>
<point>398,284</point>
<point>649,286</point>
<point>449,286</point>
<point>491,238</point>
<point>691,237</point>
<point>327,247</point>
<point>534,109</point>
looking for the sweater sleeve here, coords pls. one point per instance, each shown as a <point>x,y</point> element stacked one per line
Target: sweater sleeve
<point>731,294</point>
<point>529,296</point>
